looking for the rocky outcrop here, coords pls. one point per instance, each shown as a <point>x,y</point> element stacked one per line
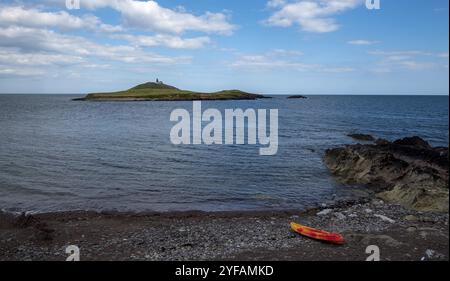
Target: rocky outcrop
<point>408,171</point>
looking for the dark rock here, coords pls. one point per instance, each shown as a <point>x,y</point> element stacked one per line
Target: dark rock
<point>409,171</point>
<point>25,220</point>
<point>382,142</point>
<point>413,141</point>
<point>362,137</point>
<point>297,97</point>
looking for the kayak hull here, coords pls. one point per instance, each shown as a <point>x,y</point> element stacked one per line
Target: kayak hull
<point>318,234</point>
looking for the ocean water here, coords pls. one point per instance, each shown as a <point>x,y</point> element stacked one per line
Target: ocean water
<point>60,155</point>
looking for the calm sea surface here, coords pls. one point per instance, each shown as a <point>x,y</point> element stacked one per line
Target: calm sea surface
<point>57,154</point>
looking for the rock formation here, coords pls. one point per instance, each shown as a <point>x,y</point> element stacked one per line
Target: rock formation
<point>408,171</point>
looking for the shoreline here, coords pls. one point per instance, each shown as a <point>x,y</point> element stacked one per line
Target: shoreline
<point>416,229</point>
<point>401,234</point>
<point>192,212</point>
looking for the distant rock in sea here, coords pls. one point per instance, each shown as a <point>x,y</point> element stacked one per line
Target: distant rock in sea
<point>297,97</point>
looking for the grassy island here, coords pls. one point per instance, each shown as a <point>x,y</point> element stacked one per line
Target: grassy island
<point>158,91</point>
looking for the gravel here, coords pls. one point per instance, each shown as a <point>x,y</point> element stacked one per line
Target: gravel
<point>228,236</point>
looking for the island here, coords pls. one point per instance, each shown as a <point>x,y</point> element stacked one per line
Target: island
<point>158,91</point>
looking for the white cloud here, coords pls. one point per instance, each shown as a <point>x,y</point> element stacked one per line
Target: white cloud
<point>13,57</point>
<point>404,60</point>
<point>284,52</point>
<point>32,17</point>
<point>338,69</point>
<point>311,15</point>
<point>7,70</point>
<point>264,62</point>
<point>31,51</point>
<point>35,39</point>
<point>31,40</point>
<point>169,41</point>
<point>276,60</point>
<point>149,15</point>
<point>400,53</point>
<point>275,3</point>
<point>35,18</point>
<point>381,69</point>
<point>415,65</point>
<point>361,42</point>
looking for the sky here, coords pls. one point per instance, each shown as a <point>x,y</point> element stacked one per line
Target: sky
<point>261,46</point>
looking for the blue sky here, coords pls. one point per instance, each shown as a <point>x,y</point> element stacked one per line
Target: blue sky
<point>263,46</point>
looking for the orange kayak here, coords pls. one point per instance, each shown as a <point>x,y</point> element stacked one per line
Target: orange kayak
<point>317,234</point>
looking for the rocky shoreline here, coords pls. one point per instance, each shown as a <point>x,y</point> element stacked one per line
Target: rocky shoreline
<point>407,221</point>
<point>407,171</point>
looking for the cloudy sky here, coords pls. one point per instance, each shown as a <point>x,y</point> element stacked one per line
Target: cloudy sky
<point>271,47</point>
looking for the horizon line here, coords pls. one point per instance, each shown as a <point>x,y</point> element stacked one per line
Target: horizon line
<point>268,94</point>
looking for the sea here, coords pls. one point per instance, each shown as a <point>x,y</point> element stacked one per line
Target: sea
<point>62,155</point>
